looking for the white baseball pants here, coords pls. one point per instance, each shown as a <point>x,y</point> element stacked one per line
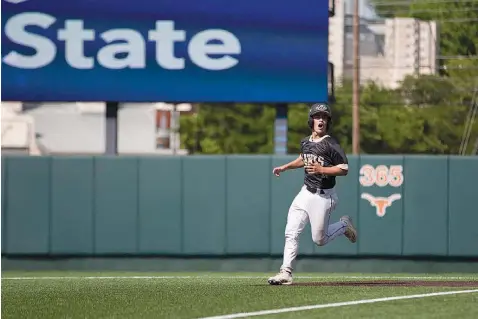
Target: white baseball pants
<point>315,208</point>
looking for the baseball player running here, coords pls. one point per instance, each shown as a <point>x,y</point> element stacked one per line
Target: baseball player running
<point>323,159</point>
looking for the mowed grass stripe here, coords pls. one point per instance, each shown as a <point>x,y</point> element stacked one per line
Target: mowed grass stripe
<point>463,306</point>
<point>171,298</point>
<point>338,304</point>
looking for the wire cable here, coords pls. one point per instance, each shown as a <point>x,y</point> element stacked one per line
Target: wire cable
<point>413,11</point>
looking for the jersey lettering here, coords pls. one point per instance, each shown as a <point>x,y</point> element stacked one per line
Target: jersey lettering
<point>312,159</point>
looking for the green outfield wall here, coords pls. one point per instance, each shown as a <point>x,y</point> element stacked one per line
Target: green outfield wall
<point>231,205</point>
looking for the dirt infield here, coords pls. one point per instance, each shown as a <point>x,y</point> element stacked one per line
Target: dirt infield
<point>388,283</point>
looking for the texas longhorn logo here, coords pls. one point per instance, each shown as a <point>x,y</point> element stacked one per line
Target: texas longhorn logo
<point>381,203</point>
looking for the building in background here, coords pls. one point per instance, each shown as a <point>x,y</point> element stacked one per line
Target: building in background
<point>18,131</point>
<point>390,49</point>
<point>79,128</point>
<point>168,138</point>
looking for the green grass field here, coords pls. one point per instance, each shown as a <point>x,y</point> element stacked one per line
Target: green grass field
<point>199,295</point>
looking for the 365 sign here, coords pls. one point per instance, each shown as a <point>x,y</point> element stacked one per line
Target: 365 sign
<point>381,176</point>
<point>182,50</point>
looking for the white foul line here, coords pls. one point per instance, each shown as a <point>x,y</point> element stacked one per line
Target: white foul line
<point>241,277</point>
<point>338,304</point>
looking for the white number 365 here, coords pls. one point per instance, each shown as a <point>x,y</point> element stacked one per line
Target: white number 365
<point>381,175</point>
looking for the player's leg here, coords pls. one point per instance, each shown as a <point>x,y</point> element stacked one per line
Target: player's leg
<point>350,231</point>
<point>296,221</point>
<point>320,210</point>
<point>297,218</point>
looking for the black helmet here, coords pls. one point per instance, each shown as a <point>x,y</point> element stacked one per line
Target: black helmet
<point>319,108</point>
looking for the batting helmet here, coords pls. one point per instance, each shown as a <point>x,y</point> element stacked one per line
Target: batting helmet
<point>319,108</point>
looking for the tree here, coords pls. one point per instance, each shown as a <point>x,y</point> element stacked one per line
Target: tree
<point>297,118</point>
<point>425,90</point>
<point>442,106</point>
<point>228,129</point>
<point>425,115</point>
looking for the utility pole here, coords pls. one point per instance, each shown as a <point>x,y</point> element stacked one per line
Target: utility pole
<point>174,128</point>
<point>356,82</point>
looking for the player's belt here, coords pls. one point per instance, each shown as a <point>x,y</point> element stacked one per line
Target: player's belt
<point>314,190</point>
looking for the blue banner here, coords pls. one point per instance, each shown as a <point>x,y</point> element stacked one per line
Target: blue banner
<point>165,50</point>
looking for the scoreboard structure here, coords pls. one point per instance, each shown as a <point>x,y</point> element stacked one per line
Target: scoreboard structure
<point>173,51</point>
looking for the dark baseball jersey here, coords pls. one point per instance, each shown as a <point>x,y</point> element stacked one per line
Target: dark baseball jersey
<point>328,153</point>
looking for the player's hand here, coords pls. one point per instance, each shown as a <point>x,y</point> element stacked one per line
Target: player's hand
<point>277,170</point>
<point>314,168</point>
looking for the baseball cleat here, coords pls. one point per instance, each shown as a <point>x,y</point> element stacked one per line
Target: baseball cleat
<point>350,231</point>
<point>283,277</point>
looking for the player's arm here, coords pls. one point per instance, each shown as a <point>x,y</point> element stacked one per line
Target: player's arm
<point>339,160</point>
<point>337,170</point>
<point>297,163</point>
